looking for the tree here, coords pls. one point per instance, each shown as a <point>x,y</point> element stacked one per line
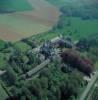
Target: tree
<point>36,89</point>
<point>69,88</point>
<point>95,94</point>
<point>83,44</point>
<point>11,76</point>
<point>74,59</point>
<point>44,82</point>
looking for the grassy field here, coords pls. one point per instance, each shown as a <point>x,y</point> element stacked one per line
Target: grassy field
<point>23,47</point>
<point>58,3</point>
<point>15,5</point>
<point>79,28</point>
<point>75,3</point>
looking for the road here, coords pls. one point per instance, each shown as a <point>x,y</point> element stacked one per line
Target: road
<point>89,86</point>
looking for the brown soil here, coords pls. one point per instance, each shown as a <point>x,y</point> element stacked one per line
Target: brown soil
<point>43,13</point>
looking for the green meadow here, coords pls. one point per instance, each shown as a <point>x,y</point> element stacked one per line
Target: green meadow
<point>15,5</point>
<point>23,47</point>
<point>79,28</point>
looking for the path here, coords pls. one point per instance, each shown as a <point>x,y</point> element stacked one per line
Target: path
<point>89,86</point>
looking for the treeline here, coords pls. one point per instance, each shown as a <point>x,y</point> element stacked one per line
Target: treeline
<point>85,11</point>
<point>89,45</point>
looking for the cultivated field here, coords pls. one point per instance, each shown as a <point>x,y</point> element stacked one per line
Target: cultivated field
<point>19,25</point>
